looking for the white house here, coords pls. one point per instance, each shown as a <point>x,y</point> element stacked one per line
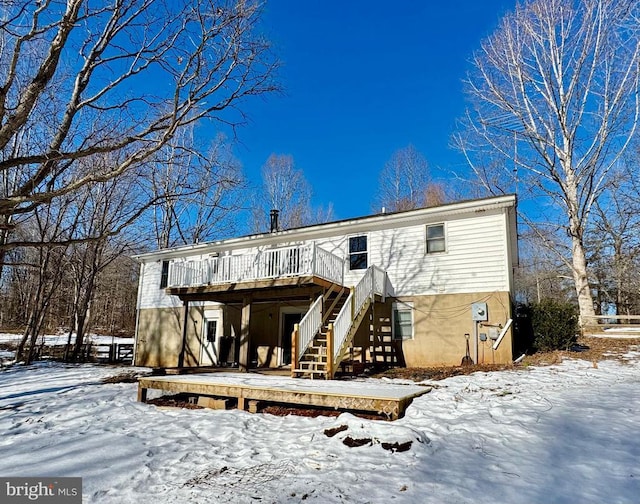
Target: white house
<point>415,288</point>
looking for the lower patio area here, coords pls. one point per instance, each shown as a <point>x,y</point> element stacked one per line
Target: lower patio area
<point>251,391</point>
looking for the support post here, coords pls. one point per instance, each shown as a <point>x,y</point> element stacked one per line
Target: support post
<point>330,352</point>
<point>353,303</point>
<point>475,342</point>
<point>185,320</point>
<point>294,350</point>
<point>243,358</point>
<point>142,393</point>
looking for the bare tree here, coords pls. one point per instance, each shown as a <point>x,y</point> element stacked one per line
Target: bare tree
<point>613,240</point>
<point>195,191</point>
<point>46,267</point>
<point>554,97</point>
<point>81,78</point>
<point>540,273</point>
<point>100,209</point>
<point>285,188</point>
<point>404,182</point>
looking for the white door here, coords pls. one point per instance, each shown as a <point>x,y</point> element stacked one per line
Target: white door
<point>210,342</point>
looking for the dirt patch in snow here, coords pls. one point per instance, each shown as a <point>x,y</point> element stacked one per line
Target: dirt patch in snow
<point>126,377</point>
<point>312,412</point>
<point>305,412</point>
<point>438,373</point>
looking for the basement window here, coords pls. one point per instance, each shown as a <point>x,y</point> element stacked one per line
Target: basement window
<point>435,239</point>
<point>402,323</point>
<point>358,252</point>
<point>164,276</point>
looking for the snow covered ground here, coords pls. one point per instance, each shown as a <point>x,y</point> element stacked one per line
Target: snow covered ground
<point>568,433</point>
<point>11,340</point>
<point>61,339</point>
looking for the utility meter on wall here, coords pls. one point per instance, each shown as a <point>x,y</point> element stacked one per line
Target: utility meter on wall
<point>479,312</point>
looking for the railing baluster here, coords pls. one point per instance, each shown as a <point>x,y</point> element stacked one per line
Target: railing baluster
<point>309,326</point>
<point>307,259</point>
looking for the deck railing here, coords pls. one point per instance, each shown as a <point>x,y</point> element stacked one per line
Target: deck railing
<point>261,265</point>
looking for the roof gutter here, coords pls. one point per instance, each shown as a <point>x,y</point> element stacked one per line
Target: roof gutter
<point>344,226</point>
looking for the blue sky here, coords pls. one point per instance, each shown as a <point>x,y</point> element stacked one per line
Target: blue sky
<point>362,79</point>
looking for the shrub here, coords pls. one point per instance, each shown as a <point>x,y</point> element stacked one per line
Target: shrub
<point>555,325</point>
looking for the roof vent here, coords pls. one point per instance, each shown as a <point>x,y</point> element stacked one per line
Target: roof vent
<point>274,220</point>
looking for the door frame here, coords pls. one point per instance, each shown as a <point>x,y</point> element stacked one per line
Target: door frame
<point>287,310</point>
<point>211,316</point>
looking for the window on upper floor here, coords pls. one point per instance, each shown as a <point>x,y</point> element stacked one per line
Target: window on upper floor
<point>164,276</point>
<point>435,239</point>
<point>402,326</point>
<point>358,252</point>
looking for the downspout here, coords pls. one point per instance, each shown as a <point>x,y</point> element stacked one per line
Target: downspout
<point>184,334</point>
<point>137,331</point>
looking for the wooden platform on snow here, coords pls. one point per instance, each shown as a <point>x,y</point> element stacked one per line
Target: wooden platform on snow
<point>366,396</point>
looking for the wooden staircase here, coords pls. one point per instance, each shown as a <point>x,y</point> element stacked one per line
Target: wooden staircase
<point>325,334</point>
<point>314,362</point>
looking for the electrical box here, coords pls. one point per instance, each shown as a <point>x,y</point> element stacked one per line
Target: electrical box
<point>493,333</point>
<point>483,336</point>
<point>479,312</point>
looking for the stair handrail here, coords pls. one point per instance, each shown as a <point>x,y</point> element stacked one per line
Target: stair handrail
<point>371,283</point>
<point>363,290</point>
<point>341,325</point>
<point>309,326</point>
<point>379,282</point>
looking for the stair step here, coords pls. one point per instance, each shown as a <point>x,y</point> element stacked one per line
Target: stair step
<point>312,374</point>
<point>322,361</point>
<point>311,365</point>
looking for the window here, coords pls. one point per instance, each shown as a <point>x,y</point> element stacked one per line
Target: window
<point>212,326</point>
<point>402,321</point>
<point>357,252</point>
<point>164,276</point>
<point>435,239</point>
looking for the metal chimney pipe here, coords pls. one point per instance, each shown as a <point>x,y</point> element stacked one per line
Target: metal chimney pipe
<point>274,220</point>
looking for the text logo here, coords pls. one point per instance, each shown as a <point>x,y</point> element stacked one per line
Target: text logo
<point>41,490</point>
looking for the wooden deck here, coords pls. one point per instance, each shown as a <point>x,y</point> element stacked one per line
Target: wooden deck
<point>365,396</point>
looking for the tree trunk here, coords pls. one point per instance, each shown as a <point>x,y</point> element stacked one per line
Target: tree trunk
<point>82,315</point>
<point>583,289</point>
<point>4,237</point>
<point>37,329</point>
<point>25,336</point>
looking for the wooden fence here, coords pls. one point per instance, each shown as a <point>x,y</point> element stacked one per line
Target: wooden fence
<point>116,353</point>
<point>613,325</point>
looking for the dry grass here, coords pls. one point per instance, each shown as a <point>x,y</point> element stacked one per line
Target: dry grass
<point>439,373</point>
<point>598,349</point>
<point>125,377</point>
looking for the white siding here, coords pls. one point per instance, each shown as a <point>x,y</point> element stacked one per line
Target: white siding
<point>476,258</point>
<point>152,296</point>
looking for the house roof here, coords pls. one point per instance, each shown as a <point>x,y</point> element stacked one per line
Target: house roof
<point>344,226</point>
